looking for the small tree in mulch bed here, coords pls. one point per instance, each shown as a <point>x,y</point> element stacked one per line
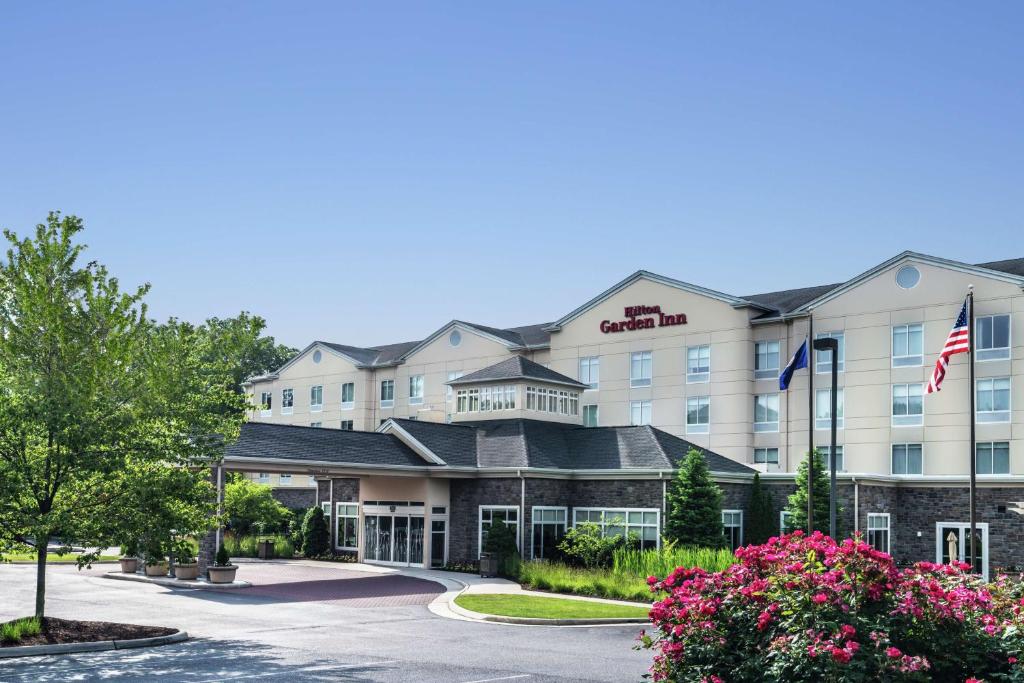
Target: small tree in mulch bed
<point>501,541</point>
<point>315,536</point>
<point>760,515</point>
<point>695,505</point>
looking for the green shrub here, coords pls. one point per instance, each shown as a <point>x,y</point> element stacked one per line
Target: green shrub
<point>315,536</point>
<point>222,559</point>
<point>662,562</point>
<point>501,542</point>
<point>585,546</point>
<point>14,631</point>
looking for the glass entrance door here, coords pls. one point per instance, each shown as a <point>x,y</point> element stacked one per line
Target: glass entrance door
<point>953,543</point>
<point>393,537</point>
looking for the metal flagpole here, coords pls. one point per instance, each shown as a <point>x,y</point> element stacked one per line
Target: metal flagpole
<point>970,354</point>
<point>810,423</point>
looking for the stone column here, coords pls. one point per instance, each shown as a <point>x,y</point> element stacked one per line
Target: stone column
<point>210,542</point>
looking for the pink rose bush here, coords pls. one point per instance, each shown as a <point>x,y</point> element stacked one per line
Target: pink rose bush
<point>805,608</point>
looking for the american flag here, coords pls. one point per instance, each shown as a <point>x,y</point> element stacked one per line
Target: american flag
<point>959,341</point>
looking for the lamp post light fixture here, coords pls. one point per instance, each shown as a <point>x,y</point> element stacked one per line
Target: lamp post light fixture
<point>831,344</point>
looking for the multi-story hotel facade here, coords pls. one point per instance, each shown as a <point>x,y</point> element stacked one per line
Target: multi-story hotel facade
<point>702,367</point>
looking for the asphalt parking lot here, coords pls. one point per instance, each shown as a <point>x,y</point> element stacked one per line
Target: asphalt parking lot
<point>310,624</point>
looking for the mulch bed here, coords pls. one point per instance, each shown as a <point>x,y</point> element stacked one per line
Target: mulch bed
<point>59,631</point>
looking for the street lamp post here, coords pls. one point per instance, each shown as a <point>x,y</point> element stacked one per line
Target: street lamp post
<point>831,344</point>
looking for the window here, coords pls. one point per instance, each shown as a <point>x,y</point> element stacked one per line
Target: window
<point>785,523</point>
<point>531,398</point>
<point>590,416</point>
<point>766,413</point>
<point>387,393</point>
<point>486,399</point>
<point>316,398</point>
<point>766,456</point>
<point>348,396</point>
<point>264,477</point>
<point>698,414</point>
<point>316,424</point>
<point>642,523</point>
<point>287,401</point>
<point>266,401</point>
<point>992,335</point>
<point>549,526</point>
<point>907,458</point>
<point>993,399</point>
<point>698,363</point>
<point>438,540</point>
<point>907,345</point>
<point>416,389</point>
<point>326,507</point>
<point>732,526</point>
<point>823,359</point>
<point>453,375</point>
<point>590,371</point>
<point>907,405</point>
<point>639,413</point>
<point>574,403</point>
<point>347,425</point>
<point>285,480</point>
<point>878,531</point>
<point>766,360</point>
<point>489,514</point>
<point>823,409</point>
<point>640,368</point>
<point>455,338</point>
<point>907,277</point>
<point>347,531</point>
<point>993,457</point>
<point>840,460</point>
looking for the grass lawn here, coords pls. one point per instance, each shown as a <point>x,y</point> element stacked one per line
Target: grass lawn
<point>69,558</point>
<point>545,608</point>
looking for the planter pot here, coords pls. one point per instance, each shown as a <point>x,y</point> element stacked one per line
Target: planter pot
<point>187,572</point>
<point>158,569</point>
<point>129,565</point>
<point>222,574</point>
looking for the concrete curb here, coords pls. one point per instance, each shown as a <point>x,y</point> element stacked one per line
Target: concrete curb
<point>532,621</point>
<point>94,646</point>
<point>168,582</point>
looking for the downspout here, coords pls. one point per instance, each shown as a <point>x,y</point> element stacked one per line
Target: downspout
<point>522,507</point>
<point>856,504</point>
<point>664,504</point>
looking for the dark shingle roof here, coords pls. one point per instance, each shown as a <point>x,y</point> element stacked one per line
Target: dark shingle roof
<point>790,299</point>
<point>288,442</point>
<point>516,367</point>
<point>1013,266</point>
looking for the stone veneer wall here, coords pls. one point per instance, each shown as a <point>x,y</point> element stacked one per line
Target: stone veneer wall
<point>467,495</point>
<point>295,498</point>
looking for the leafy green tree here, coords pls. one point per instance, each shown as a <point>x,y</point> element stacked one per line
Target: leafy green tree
<point>98,404</point>
<point>585,546</point>
<point>316,538</point>
<point>239,343</point>
<point>247,504</point>
<point>797,502</point>
<point>695,505</point>
<point>760,517</point>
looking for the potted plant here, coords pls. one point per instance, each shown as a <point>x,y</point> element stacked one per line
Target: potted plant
<point>129,557</point>
<point>222,570</point>
<point>186,567</point>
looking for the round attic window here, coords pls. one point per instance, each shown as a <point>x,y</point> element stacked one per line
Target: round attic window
<point>455,338</point>
<point>317,356</point>
<point>907,277</point>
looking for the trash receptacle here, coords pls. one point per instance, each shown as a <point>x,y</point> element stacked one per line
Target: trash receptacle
<point>265,550</point>
<point>488,565</point>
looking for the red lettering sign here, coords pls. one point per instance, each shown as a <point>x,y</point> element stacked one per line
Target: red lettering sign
<point>642,318</point>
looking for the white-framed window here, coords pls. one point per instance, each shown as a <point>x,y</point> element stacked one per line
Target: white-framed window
<point>549,527</point>
<point>415,389</point>
<point>907,405</point>
<point>766,360</point>
<point>590,416</point>
<point>732,527</point>
<point>348,396</point>
<point>264,477</point>
<point>387,393</point>
<point>992,457</point>
<point>285,480</point>
<point>316,398</point>
<point>346,533</point>
<point>907,458</point>
<point>993,399</point>
<point>992,336</point>
<point>316,424</point>
<point>823,408</point>
<point>644,523</point>
<point>766,456</point>
<point>698,363</point>
<point>509,514</point>
<point>287,401</point>
<point>574,403</point>
<point>785,523</point>
<point>452,375</point>
<point>907,345</point>
<point>698,414</point>
<point>326,507</point>
<point>639,413</point>
<point>840,459</point>
<point>766,413</point>
<point>823,359</point>
<point>531,398</point>
<point>641,368</point>
<point>878,531</point>
<point>266,403</point>
<point>347,425</point>
<point>590,371</point>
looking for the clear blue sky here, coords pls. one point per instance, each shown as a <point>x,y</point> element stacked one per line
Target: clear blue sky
<point>364,174</point>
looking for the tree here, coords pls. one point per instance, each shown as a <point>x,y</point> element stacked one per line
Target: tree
<point>797,503</point>
<point>316,538</point>
<point>247,504</point>
<point>239,343</point>
<point>500,540</point>
<point>760,515</point>
<point>695,505</point>
<point>99,406</point>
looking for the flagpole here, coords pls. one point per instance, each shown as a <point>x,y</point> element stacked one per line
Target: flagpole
<point>810,423</point>
<point>972,495</point>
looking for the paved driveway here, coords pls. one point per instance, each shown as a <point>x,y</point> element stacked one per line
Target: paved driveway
<point>302,623</point>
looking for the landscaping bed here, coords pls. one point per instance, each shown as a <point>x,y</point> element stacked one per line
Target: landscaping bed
<point>53,631</point>
<point>532,606</point>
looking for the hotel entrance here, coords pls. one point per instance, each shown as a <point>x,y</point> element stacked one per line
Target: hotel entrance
<point>393,532</point>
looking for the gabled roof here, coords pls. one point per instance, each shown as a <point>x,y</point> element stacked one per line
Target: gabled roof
<point>514,338</point>
<point>1013,266</point>
<point>516,367</point>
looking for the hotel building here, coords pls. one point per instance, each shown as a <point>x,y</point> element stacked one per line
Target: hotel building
<point>422,444</point>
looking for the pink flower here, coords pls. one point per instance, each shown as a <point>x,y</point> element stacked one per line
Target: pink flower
<point>893,652</point>
<point>819,598</point>
<point>840,655</point>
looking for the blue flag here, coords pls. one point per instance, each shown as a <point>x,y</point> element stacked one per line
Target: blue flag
<point>799,361</point>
